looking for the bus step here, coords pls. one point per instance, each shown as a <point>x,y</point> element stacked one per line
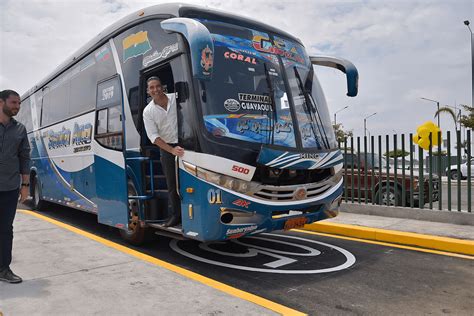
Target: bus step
<point>157,191</point>
<point>161,194</point>
<point>156,178</point>
<point>172,232</point>
<point>153,221</point>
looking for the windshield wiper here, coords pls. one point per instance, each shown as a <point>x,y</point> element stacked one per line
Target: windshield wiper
<point>272,100</point>
<point>312,110</point>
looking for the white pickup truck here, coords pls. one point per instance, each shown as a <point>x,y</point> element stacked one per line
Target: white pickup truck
<point>463,171</point>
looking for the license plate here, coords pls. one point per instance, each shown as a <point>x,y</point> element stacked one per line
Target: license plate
<point>295,223</point>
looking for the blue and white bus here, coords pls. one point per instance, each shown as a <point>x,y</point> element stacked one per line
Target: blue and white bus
<point>260,151</point>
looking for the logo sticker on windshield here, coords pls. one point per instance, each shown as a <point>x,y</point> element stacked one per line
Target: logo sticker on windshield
<point>236,56</point>
<point>159,55</point>
<point>255,102</point>
<point>232,105</point>
<point>135,45</point>
<point>207,60</point>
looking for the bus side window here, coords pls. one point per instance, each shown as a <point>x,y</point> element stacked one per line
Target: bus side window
<point>102,121</point>
<point>109,131</point>
<point>56,101</point>
<point>114,121</point>
<point>24,116</point>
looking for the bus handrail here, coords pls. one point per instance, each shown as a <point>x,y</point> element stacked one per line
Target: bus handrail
<point>152,179</point>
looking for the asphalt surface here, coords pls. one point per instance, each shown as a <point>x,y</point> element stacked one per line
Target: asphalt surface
<point>316,274</point>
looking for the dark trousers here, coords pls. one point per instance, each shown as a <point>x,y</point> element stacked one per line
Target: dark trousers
<point>169,169</point>
<point>8,201</point>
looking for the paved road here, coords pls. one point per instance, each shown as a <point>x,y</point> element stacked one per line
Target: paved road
<point>339,276</point>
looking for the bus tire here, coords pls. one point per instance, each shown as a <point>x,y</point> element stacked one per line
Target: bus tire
<point>37,200</point>
<point>135,234</point>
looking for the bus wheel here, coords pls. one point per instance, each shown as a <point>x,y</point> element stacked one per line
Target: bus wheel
<point>135,234</point>
<point>38,203</point>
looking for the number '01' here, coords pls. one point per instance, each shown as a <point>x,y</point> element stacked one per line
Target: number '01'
<point>214,196</point>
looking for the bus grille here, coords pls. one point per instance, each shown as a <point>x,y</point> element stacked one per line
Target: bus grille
<point>288,193</point>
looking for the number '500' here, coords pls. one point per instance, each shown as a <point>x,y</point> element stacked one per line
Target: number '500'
<point>214,196</point>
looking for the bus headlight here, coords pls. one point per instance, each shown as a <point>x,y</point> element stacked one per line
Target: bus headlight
<point>227,182</point>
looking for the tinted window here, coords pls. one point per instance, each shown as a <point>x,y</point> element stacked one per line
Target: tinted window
<point>109,116</point>
<point>246,99</point>
<point>140,47</point>
<point>109,93</point>
<point>24,116</point>
<point>186,110</point>
<point>56,101</point>
<point>97,66</point>
<point>74,92</point>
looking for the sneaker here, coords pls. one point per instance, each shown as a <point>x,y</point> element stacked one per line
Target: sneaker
<point>7,275</point>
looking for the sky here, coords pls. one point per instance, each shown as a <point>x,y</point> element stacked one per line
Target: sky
<point>404,50</point>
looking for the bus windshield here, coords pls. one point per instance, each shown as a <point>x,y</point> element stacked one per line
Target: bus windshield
<point>263,90</point>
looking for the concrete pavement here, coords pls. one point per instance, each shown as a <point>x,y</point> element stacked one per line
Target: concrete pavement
<point>65,273</point>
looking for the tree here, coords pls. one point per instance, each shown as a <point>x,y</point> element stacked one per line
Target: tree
<point>467,120</point>
<point>396,153</point>
<point>443,153</point>
<point>451,113</point>
<point>340,133</point>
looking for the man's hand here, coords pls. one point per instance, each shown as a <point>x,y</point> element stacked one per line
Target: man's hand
<point>24,193</point>
<point>178,151</point>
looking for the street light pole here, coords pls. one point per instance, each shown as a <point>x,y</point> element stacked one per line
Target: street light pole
<point>365,123</point>
<point>472,63</point>
<point>335,122</point>
<point>437,104</point>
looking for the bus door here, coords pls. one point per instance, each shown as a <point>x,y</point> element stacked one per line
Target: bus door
<point>109,155</point>
<point>158,205</point>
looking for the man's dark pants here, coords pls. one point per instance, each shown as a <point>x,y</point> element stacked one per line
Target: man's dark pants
<point>169,169</point>
<point>8,201</point>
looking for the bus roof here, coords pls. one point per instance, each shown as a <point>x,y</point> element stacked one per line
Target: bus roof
<point>167,10</point>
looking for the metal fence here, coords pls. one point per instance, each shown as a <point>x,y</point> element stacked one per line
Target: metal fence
<point>421,179</point>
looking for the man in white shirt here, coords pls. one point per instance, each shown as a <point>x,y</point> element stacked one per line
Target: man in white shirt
<point>161,126</point>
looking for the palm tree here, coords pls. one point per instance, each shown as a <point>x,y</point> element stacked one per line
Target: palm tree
<point>451,113</point>
<point>467,120</point>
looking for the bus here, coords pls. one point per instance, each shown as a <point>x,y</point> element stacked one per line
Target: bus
<point>260,150</point>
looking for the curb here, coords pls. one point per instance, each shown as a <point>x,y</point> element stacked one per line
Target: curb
<point>397,237</point>
<point>430,215</point>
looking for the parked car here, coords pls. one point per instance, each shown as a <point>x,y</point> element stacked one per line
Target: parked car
<point>453,173</point>
<point>388,187</point>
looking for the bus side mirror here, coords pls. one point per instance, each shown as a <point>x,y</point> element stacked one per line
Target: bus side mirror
<point>182,91</point>
<point>200,44</point>
<point>343,65</point>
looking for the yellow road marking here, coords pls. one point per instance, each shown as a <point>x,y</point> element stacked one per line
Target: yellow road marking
<point>444,253</point>
<point>447,244</point>
<point>283,310</point>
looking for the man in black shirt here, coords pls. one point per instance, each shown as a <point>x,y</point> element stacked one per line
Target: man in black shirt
<point>14,160</point>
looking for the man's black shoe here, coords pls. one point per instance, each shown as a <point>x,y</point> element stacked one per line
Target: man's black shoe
<point>173,221</point>
<point>7,275</point>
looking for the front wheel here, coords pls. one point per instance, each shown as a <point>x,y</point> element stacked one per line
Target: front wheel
<point>135,234</point>
<point>453,174</point>
<point>391,198</point>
